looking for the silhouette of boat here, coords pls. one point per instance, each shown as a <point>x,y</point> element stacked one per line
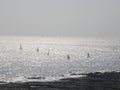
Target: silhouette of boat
<point>37,49</point>
<point>48,52</point>
<point>88,55</point>
<point>21,47</point>
<point>68,57</point>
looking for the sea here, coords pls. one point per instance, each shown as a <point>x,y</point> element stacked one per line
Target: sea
<point>25,59</point>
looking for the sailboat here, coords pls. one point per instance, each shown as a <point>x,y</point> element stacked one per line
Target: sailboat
<point>48,52</point>
<point>21,47</point>
<point>88,55</point>
<point>68,57</point>
<point>37,49</point>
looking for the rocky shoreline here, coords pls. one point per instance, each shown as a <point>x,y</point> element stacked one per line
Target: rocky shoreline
<point>91,81</point>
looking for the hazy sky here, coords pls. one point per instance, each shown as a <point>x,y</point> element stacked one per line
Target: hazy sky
<point>79,18</point>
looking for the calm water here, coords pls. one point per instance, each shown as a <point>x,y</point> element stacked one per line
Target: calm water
<point>16,64</point>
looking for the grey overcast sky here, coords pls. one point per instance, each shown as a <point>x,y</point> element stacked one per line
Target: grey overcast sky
<point>79,18</point>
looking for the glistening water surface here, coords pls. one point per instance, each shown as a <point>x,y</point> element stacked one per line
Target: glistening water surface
<point>16,63</point>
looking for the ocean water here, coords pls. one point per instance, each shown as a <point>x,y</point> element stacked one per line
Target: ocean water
<point>27,64</point>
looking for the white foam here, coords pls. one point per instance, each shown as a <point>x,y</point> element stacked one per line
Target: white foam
<point>55,78</point>
<point>22,79</point>
<point>19,79</point>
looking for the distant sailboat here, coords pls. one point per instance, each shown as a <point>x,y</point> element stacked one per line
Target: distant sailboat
<point>48,52</point>
<point>68,57</point>
<point>88,55</point>
<point>37,49</point>
<point>21,47</point>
